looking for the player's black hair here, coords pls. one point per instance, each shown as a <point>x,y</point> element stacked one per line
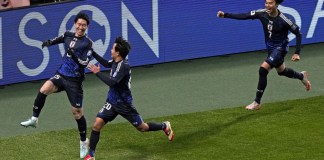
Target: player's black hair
<point>122,46</point>
<point>82,16</point>
<point>279,1</point>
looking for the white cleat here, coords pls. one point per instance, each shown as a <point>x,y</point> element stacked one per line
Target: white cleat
<point>305,80</point>
<point>84,148</point>
<point>32,122</point>
<point>168,131</point>
<point>253,106</point>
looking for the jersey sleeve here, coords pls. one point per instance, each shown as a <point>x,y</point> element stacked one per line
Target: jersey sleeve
<point>102,61</point>
<point>59,39</point>
<point>295,30</point>
<point>116,77</point>
<point>89,52</point>
<point>120,72</point>
<point>255,14</point>
<point>106,79</point>
<point>292,27</point>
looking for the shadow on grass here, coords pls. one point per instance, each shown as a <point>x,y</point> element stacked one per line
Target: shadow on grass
<point>188,139</point>
<point>213,129</point>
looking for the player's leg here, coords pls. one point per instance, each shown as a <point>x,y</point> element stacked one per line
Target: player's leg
<point>48,88</point>
<point>82,127</point>
<point>94,137</point>
<point>74,92</point>
<point>282,70</point>
<point>136,120</point>
<point>262,84</point>
<point>105,115</point>
<point>154,126</point>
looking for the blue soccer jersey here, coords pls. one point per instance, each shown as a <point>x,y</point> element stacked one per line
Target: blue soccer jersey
<point>82,50</point>
<point>275,28</point>
<point>120,92</point>
<point>119,81</point>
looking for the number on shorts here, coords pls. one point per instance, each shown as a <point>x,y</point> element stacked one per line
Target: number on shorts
<point>107,106</point>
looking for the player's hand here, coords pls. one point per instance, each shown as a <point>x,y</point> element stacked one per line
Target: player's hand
<point>93,68</point>
<point>295,57</point>
<point>220,14</point>
<point>46,43</point>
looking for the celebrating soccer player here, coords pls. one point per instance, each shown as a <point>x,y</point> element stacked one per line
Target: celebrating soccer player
<point>69,76</point>
<point>276,26</point>
<point>119,99</point>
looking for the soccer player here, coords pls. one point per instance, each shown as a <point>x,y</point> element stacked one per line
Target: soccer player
<point>69,76</point>
<point>119,99</point>
<point>276,27</point>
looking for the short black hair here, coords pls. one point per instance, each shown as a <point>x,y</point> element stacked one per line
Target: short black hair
<point>82,16</point>
<point>122,46</point>
<point>279,1</point>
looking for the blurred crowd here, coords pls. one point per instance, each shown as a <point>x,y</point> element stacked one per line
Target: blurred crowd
<point>9,4</point>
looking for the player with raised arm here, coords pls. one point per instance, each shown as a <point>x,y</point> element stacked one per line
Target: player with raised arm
<point>276,27</point>
<point>69,76</point>
<point>119,99</point>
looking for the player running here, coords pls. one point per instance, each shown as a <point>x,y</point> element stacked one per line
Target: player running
<point>119,99</point>
<point>276,27</point>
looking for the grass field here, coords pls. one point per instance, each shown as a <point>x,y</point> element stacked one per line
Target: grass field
<point>278,131</point>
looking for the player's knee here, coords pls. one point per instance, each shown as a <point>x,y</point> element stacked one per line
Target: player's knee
<point>77,113</point>
<point>47,88</point>
<point>263,72</point>
<point>98,125</point>
<point>96,128</point>
<point>77,116</point>
<point>44,91</point>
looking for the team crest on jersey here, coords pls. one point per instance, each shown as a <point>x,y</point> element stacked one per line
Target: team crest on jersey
<point>72,43</point>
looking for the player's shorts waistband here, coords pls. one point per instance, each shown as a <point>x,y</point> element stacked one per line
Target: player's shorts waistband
<point>75,79</point>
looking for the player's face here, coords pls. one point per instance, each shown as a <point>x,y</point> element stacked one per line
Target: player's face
<point>80,27</point>
<point>114,54</point>
<point>271,6</point>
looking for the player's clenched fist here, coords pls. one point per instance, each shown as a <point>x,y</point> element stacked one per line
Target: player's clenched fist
<point>220,14</point>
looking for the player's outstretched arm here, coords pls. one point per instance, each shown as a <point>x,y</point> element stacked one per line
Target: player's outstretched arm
<point>51,42</point>
<point>101,60</point>
<point>106,79</point>
<point>240,16</point>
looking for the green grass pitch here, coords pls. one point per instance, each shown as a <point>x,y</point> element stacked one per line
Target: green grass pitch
<point>283,130</point>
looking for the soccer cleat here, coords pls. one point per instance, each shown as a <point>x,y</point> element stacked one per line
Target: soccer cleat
<point>305,80</point>
<point>168,131</point>
<point>84,148</point>
<point>32,122</point>
<point>253,106</point>
<point>88,157</point>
